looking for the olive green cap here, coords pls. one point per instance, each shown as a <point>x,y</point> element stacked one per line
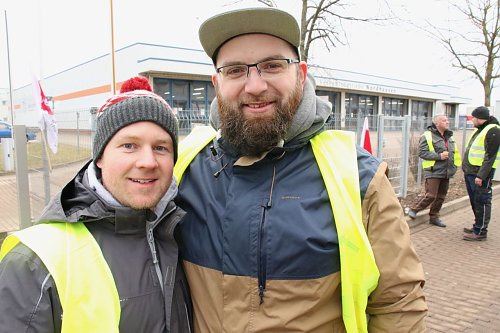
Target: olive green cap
<point>218,29</point>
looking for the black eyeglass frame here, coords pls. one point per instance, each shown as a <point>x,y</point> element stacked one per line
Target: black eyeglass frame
<point>288,61</point>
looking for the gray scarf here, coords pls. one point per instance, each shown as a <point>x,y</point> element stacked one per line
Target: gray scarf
<point>310,117</point>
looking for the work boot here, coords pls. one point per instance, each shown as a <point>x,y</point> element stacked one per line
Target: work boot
<point>474,237</point>
<point>469,230</point>
<point>437,222</point>
<point>412,214</point>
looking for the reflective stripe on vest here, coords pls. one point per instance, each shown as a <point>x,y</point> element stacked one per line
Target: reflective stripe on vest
<point>476,150</point>
<point>84,282</point>
<point>426,164</point>
<point>359,273</point>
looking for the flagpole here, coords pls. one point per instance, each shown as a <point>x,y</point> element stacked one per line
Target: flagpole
<point>8,65</point>
<point>113,83</point>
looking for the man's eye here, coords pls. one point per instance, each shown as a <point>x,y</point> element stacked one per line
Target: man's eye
<point>128,145</point>
<point>236,70</point>
<point>273,66</point>
<point>162,149</point>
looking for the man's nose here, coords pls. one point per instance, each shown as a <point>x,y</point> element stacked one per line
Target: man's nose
<point>254,83</point>
<point>147,158</point>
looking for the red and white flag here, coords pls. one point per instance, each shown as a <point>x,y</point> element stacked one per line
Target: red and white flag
<point>47,120</point>
<point>365,137</point>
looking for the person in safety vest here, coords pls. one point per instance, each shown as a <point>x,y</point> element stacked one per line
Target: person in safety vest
<point>103,256</point>
<point>289,228</point>
<point>440,158</point>
<point>481,159</point>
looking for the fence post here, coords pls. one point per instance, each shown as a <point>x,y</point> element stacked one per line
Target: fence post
<point>380,135</point>
<point>93,119</point>
<point>46,168</point>
<point>78,133</point>
<point>23,186</point>
<point>464,138</point>
<point>405,158</point>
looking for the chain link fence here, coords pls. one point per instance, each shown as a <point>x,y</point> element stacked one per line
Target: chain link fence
<point>393,139</point>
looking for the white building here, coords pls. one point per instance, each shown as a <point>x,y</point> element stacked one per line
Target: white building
<point>183,77</point>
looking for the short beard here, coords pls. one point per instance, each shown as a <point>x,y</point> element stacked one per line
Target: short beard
<point>254,136</point>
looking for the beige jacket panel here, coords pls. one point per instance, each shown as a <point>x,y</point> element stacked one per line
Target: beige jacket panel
<point>398,304</point>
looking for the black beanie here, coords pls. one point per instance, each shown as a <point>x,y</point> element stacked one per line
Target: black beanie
<point>132,107</point>
<point>481,112</point>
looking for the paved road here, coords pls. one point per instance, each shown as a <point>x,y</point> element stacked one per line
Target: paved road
<point>463,278</point>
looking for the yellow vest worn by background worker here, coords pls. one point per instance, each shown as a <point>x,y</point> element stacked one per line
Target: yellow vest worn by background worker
<point>359,273</point>
<point>430,163</point>
<point>84,282</point>
<point>476,151</point>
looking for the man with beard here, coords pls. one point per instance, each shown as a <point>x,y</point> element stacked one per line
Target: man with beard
<point>289,228</point>
<point>481,160</point>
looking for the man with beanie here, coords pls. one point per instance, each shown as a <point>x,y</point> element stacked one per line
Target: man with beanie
<point>480,161</point>
<point>103,256</point>
<point>289,228</point>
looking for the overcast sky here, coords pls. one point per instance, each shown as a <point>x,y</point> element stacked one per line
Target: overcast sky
<point>48,36</point>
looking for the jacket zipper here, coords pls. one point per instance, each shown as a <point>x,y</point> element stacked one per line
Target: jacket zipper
<point>261,257</point>
<point>152,247</point>
<point>261,248</point>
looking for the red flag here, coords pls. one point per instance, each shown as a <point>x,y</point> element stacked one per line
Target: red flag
<point>365,137</point>
<point>47,120</point>
<point>44,103</point>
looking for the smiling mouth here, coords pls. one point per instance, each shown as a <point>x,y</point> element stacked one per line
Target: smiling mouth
<point>142,181</point>
<point>257,105</point>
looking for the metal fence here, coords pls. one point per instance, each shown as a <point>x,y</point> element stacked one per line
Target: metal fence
<point>394,140</point>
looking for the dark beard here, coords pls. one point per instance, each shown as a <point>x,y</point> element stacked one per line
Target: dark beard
<point>254,136</point>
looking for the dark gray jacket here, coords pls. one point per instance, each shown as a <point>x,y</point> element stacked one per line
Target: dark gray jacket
<point>29,301</point>
<point>441,168</point>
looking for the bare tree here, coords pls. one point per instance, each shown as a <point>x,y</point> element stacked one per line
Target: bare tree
<point>322,21</point>
<point>476,49</point>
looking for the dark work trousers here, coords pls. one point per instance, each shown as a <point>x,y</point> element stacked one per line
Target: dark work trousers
<point>480,201</point>
<point>435,193</point>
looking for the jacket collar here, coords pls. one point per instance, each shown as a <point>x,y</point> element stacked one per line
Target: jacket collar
<point>79,201</point>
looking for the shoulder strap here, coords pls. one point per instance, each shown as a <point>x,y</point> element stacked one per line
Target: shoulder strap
<point>190,146</point>
<point>335,153</point>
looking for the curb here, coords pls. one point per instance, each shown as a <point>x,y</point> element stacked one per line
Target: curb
<point>449,207</point>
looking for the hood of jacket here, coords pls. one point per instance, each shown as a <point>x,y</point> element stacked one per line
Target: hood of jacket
<point>490,121</point>
<point>79,201</point>
<point>309,119</point>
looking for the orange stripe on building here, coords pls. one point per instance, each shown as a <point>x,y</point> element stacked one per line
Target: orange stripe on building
<point>87,92</point>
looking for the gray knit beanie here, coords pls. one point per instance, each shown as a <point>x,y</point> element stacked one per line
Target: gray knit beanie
<point>128,108</point>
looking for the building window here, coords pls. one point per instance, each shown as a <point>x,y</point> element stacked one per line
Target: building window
<point>394,107</point>
<point>421,115</point>
<point>183,95</point>
<point>357,107</point>
<point>451,113</point>
<point>332,97</point>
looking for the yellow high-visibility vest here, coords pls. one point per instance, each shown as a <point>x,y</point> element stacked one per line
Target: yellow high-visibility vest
<point>430,163</point>
<point>476,151</point>
<point>359,273</point>
<point>84,282</point>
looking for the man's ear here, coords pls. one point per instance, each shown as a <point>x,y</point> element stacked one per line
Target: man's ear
<point>214,79</point>
<point>302,72</point>
<point>99,163</point>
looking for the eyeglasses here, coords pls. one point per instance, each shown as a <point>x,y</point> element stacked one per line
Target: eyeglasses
<point>267,69</point>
